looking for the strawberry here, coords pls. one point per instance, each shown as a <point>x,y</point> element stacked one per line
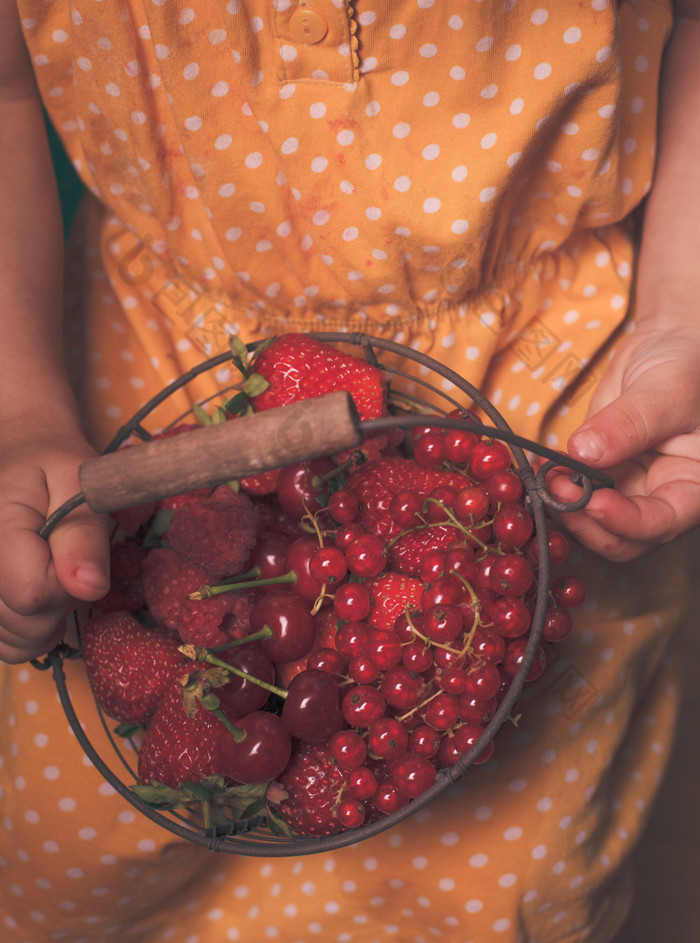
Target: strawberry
<point>126,590</point>
<point>313,782</point>
<point>376,482</point>
<point>215,533</point>
<point>179,748</point>
<point>298,367</point>
<point>128,665</point>
<point>167,582</point>
<point>391,593</point>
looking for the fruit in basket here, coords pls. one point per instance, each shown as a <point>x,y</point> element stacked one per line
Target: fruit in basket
<point>387,602</point>
<point>129,665</point>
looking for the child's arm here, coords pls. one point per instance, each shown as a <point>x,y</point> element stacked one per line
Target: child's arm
<point>644,422</point>
<point>41,444</point>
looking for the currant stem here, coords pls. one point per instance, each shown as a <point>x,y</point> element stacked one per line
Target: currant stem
<point>428,641</point>
<point>215,589</point>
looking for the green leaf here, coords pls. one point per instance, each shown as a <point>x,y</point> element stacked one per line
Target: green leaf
<point>159,527</point>
<point>158,795</point>
<point>255,385</point>
<point>196,791</point>
<point>238,348</point>
<point>218,416</point>
<point>127,730</point>
<point>255,808</point>
<point>201,415</point>
<point>236,404</point>
<point>278,826</point>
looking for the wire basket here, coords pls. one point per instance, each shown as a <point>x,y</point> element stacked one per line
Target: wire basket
<point>250,837</point>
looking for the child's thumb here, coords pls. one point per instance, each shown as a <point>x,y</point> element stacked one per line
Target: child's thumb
<point>640,418</point>
<point>80,552</point>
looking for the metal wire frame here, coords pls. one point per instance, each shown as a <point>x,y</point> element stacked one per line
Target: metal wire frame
<point>248,838</point>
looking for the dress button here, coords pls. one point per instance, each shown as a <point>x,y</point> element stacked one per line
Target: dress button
<point>307,25</point>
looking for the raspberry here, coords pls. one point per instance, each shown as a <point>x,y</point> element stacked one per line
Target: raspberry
<point>216,533</point>
<point>213,621</point>
<point>167,582</point>
<point>313,782</point>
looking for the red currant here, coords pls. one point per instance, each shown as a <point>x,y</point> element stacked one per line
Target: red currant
<point>568,591</point>
<point>512,526</point>
<point>424,741</point>
<point>328,565</point>
<point>343,506</point>
<point>388,738</point>
<point>362,705</point>
<point>351,637</point>
<point>412,775</point>
<point>401,687</point>
<point>352,602</point>
<point>428,450</point>
<point>383,648</point>
<point>350,813</point>
<point>348,748</point>
<point>458,445</point>
<point>361,782</point>
<point>366,556</point>
<point>488,458</point>
<point>511,574</point>
<point>441,712</point>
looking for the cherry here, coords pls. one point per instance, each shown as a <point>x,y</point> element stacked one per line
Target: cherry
<point>361,782</point>
<point>352,602</point>
<point>260,754</point>
<point>428,450</point>
<point>295,491</point>
<point>351,637</point>
<point>510,616</point>
<point>288,618</point>
<point>343,506</point>
<point>388,738</point>
<point>404,508</point>
<point>269,554</point>
<point>458,445</point>
<point>350,813</point>
<point>511,574</point>
<point>348,748</point>
<point>558,624</point>
<point>362,705</point>
<point>488,457</point>
<point>512,526</point>
<point>298,558</point>
<point>383,648</point>
<point>568,591</point>
<point>412,775</point>
<point>328,565</point>
<point>311,709</point>
<point>424,741</point>
<point>242,696</point>
<point>366,556</point>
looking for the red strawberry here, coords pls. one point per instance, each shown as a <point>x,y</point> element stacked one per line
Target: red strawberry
<point>215,533</point>
<point>167,582</point>
<point>408,553</point>
<point>313,782</point>
<point>126,590</point>
<point>129,666</point>
<point>298,367</point>
<point>391,593</point>
<point>178,748</point>
<point>376,482</point>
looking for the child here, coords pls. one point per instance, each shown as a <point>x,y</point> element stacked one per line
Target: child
<point>462,178</point>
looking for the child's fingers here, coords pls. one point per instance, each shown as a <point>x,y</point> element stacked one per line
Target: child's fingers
<point>80,551</point>
<point>24,637</point>
<point>651,410</point>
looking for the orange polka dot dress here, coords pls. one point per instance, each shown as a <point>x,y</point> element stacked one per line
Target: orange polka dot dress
<point>455,176</point>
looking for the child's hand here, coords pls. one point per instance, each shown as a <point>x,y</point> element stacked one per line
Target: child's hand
<point>644,428</point>
<point>40,579</point>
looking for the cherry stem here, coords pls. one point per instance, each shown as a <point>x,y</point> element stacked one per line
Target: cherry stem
<point>318,481</point>
<point>211,703</point>
<point>197,653</point>
<point>265,632</point>
<point>215,589</point>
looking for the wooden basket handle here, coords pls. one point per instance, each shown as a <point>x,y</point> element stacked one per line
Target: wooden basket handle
<point>214,454</point>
